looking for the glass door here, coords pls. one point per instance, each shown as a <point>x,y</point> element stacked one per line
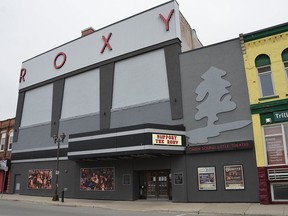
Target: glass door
<point>157,184</point>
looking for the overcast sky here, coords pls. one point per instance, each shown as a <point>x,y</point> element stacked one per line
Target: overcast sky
<point>31,27</point>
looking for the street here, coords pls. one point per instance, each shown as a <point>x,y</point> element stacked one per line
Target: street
<point>17,208</point>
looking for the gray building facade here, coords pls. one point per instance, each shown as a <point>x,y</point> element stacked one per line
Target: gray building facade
<point>138,116</point>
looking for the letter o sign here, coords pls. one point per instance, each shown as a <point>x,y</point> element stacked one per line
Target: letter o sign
<point>59,60</point>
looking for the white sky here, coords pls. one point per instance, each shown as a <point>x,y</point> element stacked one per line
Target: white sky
<point>31,27</point>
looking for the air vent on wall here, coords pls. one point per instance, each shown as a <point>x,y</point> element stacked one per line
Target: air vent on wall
<point>278,174</point>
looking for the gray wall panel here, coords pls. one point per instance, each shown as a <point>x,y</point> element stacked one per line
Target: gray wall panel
<point>38,136</point>
<point>19,111</point>
<point>106,94</point>
<point>179,192</point>
<point>65,177</point>
<point>174,80</point>
<point>58,88</point>
<point>225,57</point>
<point>159,113</point>
<point>219,160</point>
<point>80,125</point>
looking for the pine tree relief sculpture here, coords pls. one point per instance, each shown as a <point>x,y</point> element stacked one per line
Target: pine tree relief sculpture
<point>214,98</point>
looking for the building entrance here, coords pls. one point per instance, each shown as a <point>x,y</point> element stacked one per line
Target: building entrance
<point>158,184</point>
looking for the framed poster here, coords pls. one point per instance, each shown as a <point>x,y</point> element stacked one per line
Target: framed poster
<point>206,178</point>
<point>233,176</point>
<point>178,178</point>
<point>40,179</point>
<point>97,179</point>
<point>126,179</point>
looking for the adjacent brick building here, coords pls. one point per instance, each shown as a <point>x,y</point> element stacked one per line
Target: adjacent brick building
<point>266,63</point>
<point>6,133</point>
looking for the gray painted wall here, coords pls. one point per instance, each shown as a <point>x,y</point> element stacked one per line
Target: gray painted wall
<point>37,136</point>
<point>219,160</point>
<point>179,191</point>
<point>226,56</point>
<point>70,177</point>
<point>159,113</point>
<point>218,59</point>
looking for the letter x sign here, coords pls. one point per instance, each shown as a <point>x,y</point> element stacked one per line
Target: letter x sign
<point>106,43</point>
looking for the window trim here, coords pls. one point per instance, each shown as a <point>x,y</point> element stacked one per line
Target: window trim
<point>10,140</point>
<point>1,138</point>
<point>284,57</point>
<point>285,64</point>
<point>272,192</point>
<point>259,74</point>
<point>263,66</point>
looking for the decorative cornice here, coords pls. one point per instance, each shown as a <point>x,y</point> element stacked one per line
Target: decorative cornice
<point>265,32</point>
<point>267,41</point>
<point>271,106</point>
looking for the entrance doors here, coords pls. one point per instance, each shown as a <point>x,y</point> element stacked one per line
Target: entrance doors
<point>158,184</point>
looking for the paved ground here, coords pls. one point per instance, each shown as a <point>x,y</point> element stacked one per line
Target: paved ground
<point>163,206</point>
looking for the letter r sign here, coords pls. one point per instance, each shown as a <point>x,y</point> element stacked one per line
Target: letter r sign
<point>22,75</point>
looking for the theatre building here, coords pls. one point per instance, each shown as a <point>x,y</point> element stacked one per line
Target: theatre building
<point>144,116</point>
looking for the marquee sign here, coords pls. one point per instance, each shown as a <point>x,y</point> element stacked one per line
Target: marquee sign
<point>159,24</point>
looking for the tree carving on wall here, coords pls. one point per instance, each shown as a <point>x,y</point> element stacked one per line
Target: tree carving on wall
<point>214,98</point>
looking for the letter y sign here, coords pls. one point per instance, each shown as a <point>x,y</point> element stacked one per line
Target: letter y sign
<point>166,21</point>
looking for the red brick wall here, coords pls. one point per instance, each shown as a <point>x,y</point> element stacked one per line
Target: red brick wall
<point>264,186</point>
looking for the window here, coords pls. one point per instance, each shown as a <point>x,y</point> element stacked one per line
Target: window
<point>285,61</point>
<point>279,191</point>
<point>2,144</point>
<point>276,140</point>
<point>263,65</point>
<point>10,141</point>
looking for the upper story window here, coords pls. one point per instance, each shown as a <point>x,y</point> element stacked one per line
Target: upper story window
<point>2,142</point>
<point>285,61</point>
<point>10,141</point>
<point>263,65</point>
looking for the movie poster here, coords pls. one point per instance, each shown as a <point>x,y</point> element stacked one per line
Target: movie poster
<point>97,179</point>
<point>234,177</point>
<point>206,178</point>
<point>40,179</point>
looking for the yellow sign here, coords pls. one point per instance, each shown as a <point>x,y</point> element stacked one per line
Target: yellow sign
<point>166,139</point>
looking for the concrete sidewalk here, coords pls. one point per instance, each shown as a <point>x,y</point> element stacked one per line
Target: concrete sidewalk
<point>163,206</point>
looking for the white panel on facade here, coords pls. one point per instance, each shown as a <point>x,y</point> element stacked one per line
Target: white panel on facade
<point>81,95</point>
<point>37,107</point>
<point>140,80</point>
<point>131,34</point>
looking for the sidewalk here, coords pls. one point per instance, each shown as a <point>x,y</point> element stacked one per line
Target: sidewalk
<point>163,206</point>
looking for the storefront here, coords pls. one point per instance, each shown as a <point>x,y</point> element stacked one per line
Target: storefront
<point>266,72</point>
<point>4,175</point>
<point>149,149</point>
<point>274,176</point>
